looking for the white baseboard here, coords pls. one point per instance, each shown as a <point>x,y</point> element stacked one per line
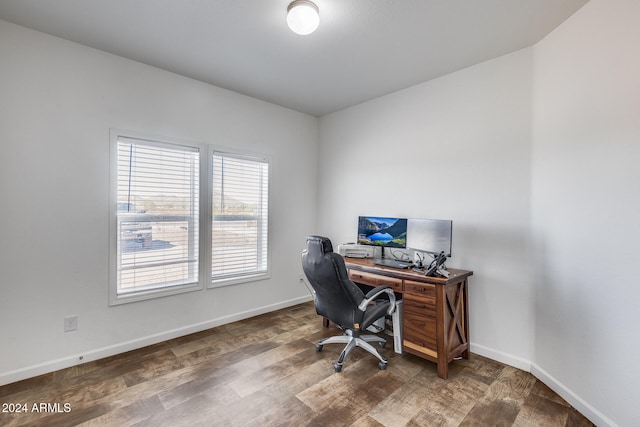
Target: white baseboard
<point>573,399</point>
<point>76,359</point>
<point>595,416</point>
<point>499,356</point>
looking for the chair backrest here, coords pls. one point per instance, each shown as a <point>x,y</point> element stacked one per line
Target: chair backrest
<point>337,297</point>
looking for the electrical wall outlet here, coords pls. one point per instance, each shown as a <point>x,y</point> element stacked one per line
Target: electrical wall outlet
<point>70,323</point>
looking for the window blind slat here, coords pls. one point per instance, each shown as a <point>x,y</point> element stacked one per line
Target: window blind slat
<point>157,215</point>
<point>240,216</point>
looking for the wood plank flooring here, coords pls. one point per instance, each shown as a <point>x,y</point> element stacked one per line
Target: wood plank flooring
<point>265,371</point>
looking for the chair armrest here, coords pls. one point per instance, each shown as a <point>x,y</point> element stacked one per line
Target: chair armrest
<point>375,292</point>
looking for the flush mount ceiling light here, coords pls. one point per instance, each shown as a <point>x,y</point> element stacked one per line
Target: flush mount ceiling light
<point>303,17</point>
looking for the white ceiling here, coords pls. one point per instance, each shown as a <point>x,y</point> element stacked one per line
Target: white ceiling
<point>363,48</point>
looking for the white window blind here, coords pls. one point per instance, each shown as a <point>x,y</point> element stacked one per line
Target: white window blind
<point>240,216</point>
<point>156,216</point>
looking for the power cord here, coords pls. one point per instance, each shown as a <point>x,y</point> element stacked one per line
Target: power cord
<point>403,256</point>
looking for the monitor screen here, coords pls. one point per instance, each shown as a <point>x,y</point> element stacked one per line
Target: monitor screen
<point>382,231</point>
<point>430,235</point>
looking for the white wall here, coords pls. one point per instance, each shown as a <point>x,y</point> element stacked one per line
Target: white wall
<point>535,158</point>
<point>458,148</point>
<point>533,155</point>
<point>585,206</point>
<point>58,101</point>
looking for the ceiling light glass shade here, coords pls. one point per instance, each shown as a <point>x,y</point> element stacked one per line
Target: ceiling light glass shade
<point>303,17</point>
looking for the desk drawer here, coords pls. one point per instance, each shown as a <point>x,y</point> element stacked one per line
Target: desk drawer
<point>375,280</point>
<point>419,288</point>
<point>419,305</point>
<point>419,330</point>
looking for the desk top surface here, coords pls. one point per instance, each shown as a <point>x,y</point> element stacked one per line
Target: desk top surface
<point>367,264</point>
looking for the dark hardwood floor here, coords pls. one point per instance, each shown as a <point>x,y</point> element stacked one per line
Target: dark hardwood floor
<point>266,371</point>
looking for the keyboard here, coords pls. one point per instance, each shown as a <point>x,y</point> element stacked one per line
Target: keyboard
<point>387,262</point>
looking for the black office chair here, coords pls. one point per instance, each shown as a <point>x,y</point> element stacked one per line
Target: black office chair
<point>341,301</point>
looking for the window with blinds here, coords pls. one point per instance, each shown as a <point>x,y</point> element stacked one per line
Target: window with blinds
<point>240,217</point>
<point>156,219</point>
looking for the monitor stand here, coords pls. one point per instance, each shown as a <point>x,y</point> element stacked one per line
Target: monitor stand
<point>392,262</point>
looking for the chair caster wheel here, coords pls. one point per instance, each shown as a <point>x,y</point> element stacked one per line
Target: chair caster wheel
<point>318,347</point>
<point>337,367</point>
<point>383,344</point>
<point>382,366</point>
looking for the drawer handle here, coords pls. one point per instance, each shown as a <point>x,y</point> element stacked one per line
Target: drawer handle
<point>418,305</point>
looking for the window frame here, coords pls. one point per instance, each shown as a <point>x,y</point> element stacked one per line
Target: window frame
<point>116,298</point>
<point>204,279</point>
<point>249,277</point>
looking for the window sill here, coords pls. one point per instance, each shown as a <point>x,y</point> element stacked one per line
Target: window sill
<point>219,283</point>
<point>152,294</point>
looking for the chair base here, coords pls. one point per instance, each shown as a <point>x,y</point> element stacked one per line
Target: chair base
<point>352,342</point>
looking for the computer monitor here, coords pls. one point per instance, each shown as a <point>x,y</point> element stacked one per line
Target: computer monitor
<point>382,231</point>
<point>430,235</point>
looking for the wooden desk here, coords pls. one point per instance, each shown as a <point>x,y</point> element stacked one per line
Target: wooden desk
<point>435,316</point>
